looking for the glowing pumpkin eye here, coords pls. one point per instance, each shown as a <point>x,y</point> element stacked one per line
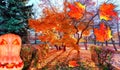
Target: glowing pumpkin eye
<point>15,42</point>
<point>3,42</point>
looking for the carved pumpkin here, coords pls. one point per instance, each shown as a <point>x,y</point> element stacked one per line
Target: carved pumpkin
<point>10,46</point>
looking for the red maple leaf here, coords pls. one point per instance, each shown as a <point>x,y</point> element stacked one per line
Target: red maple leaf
<point>106,11</point>
<point>76,11</point>
<point>103,33</point>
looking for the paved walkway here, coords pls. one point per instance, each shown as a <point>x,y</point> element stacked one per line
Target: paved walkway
<point>116,60</point>
<point>64,56</point>
<point>48,58</point>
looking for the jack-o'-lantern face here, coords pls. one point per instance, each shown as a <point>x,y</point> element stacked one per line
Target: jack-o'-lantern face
<point>10,46</point>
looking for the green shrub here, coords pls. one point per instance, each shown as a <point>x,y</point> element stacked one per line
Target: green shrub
<point>102,57</point>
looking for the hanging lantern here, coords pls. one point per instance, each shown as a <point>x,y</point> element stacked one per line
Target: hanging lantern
<point>10,46</point>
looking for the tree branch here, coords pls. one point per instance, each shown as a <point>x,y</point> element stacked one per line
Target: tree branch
<point>51,6</point>
<point>86,27</point>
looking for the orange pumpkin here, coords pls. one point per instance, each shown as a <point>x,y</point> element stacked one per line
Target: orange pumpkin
<point>10,46</point>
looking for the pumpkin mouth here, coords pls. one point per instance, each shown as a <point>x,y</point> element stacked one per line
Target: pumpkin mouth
<point>11,65</point>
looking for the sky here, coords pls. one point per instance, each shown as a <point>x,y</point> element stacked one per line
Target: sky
<point>37,9</point>
<point>59,4</point>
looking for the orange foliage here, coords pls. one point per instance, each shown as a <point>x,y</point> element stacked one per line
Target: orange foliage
<point>76,11</point>
<point>34,24</point>
<point>67,28</point>
<point>73,63</point>
<point>86,32</point>
<point>48,36</point>
<point>68,40</point>
<point>53,24</point>
<point>103,33</point>
<point>81,26</point>
<point>58,29</point>
<point>106,11</point>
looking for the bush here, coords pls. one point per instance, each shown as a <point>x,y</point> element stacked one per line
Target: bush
<point>102,56</point>
<point>33,55</point>
<point>28,54</point>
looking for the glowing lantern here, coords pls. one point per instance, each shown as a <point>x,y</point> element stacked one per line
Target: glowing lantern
<point>10,46</point>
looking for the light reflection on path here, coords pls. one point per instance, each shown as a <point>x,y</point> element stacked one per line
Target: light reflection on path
<point>116,60</point>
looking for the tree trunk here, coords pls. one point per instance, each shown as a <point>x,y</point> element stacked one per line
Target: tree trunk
<point>94,36</point>
<point>94,41</point>
<point>35,38</point>
<point>86,27</point>
<point>102,44</point>
<point>59,48</point>
<point>56,47</point>
<point>106,43</point>
<point>64,48</point>
<point>85,44</point>
<point>118,32</point>
<point>98,43</point>
<point>113,42</point>
<point>28,37</point>
<point>119,39</point>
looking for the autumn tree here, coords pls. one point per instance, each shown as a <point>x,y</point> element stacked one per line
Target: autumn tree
<point>66,28</point>
<point>81,20</point>
<point>56,29</point>
<point>60,30</point>
<point>107,13</point>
